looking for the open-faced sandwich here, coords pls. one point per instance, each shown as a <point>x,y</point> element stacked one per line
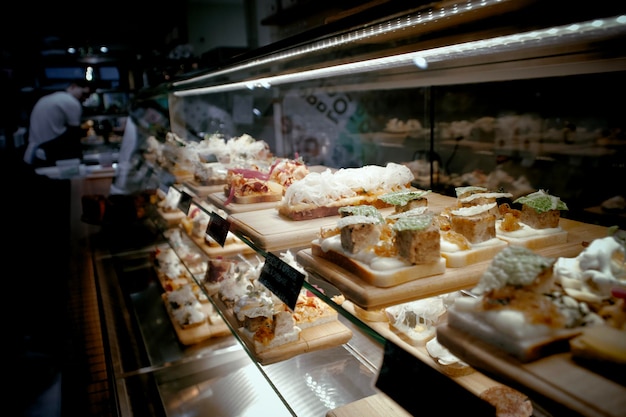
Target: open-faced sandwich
<point>519,309</point>
<point>248,186</point>
<point>383,252</point>
<point>321,194</point>
<point>536,225</point>
<point>257,184</point>
<point>468,234</point>
<point>265,322</point>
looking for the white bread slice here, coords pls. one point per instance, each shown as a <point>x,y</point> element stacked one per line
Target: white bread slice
<point>527,347</point>
<point>277,341</point>
<point>378,277</point>
<point>532,238</point>
<point>477,253</point>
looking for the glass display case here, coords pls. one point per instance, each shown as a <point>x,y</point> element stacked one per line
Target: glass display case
<point>494,93</point>
<point>500,94</point>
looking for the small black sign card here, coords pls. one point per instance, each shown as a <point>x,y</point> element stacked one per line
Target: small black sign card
<point>282,279</point>
<point>185,202</point>
<point>417,387</point>
<point>218,228</point>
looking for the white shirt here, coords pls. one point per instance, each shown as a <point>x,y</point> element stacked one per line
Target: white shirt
<point>50,117</point>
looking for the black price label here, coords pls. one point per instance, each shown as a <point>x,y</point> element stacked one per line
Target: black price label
<point>429,385</point>
<point>185,202</point>
<point>218,228</point>
<point>282,279</point>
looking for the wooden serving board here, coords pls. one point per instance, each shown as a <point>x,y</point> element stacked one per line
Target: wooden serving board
<point>212,327</point>
<point>475,382</point>
<point>270,231</point>
<point>229,249</point>
<point>368,296</point>
<point>203,190</point>
<point>171,218</point>
<point>373,406</point>
<point>313,338</point>
<point>557,380</point>
<point>219,200</point>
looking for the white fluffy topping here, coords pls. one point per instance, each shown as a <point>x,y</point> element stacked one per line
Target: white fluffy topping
<point>474,196</point>
<point>441,353</point>
<point>323,188</point>
<point>288,258</point>
<point>473,210</point>
<point>170,264</point>
<point>428,312</point>
<point>595,271</point>
<point>182,296</point>
<point>189,314</point>
<point>257,305</point>
<point>462,190</point>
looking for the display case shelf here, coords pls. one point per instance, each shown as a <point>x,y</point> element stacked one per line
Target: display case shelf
<point>497,93</point>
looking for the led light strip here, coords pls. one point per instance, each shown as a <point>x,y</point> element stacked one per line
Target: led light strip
<point>409,21</point>
<point>422,59</point>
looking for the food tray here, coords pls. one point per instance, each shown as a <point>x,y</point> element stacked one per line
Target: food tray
<point>369,296</point>
<point>319,337</point>
<point>219,200</point>
<point>557,381</point>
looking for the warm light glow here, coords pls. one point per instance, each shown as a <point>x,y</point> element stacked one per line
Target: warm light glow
<point>423,59</point>
<point>409,21</point>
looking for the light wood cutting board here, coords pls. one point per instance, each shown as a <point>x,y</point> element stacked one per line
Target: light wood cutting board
<point>313,338</point>
<point>203,190</point>
<point>229,249</point>
<point>556,378</point>
<point>368,296</point>
<point>270,231</point>
<point>219,200</point>
<point>372,406</point>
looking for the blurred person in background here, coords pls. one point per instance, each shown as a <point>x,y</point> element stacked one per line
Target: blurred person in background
<point>146,118</point>
<point>55,125</point>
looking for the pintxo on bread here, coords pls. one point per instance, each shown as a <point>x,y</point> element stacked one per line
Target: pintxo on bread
<point>257,185</point>
<point>468,234</point>
<point>536,225</point>
<point>321,194</point>
<point>519,309</point>
<point>261,317</point>
<point>383,251</point>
